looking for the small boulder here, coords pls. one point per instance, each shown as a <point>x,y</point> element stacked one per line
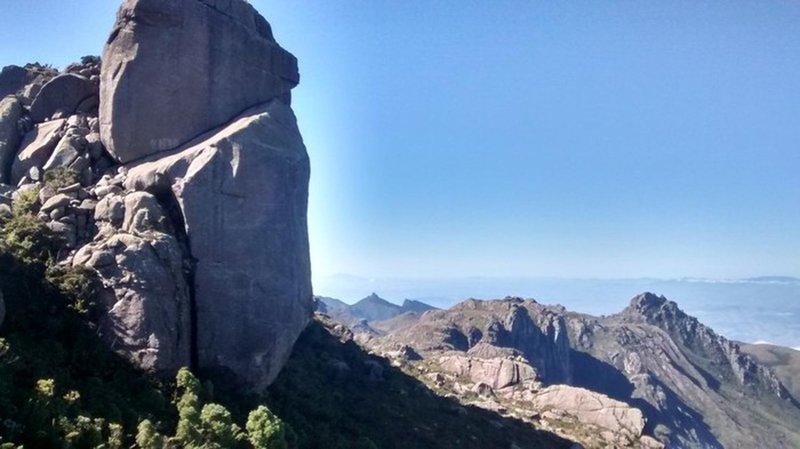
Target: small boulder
<point>56,201</point>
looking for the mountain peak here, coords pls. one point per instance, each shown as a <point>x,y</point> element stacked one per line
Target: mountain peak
<point>645,304</point>
<point>373,297</point>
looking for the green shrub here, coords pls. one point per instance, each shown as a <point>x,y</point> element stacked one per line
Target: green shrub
<point>26,201</point>
<point>59,177</point>
<point>265,430</point>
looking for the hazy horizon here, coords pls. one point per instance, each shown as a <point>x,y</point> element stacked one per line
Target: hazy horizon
<point>744,310</point>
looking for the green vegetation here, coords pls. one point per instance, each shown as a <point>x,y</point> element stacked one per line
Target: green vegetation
<point>59,177</point>
<point>60,387</point>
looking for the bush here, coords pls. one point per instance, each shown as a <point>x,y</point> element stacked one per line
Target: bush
<point>59,177</point>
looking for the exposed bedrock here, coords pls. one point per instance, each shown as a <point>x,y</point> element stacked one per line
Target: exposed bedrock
<point>242,191</point>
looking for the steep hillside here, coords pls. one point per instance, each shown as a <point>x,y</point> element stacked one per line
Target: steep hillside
<point>695,388</point>
<point>784,362</point>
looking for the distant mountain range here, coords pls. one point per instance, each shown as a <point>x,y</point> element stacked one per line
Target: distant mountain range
<point>668,380</point>
<point>371,308</point>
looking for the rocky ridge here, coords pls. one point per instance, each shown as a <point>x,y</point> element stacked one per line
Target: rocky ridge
<point>650,376</point>
<point>176,172</point>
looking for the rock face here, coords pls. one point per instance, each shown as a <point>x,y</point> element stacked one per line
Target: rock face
<point>242,193</point>
<point>202,249</point>
<point>524,328</point>
<point>174,69</point>
<point>10,113</point>
<point>142,266</point>
<point>592,408</point>
<point>497,373</point>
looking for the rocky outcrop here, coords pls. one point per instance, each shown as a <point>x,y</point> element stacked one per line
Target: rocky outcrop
<point>496,373</point>
<point>692,387</point>
<point>522,326</point>
<point>63,95</point>
<point>10,114</point>
<point>703,342</point>
<point>174,69</point>
<point>24,82</point>
<point>242,193</point>
<point>622,422</point>
<point>200,239</point>
<point>142,265</point>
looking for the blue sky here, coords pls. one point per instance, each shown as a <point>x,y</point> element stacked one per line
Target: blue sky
<point>518,138</point>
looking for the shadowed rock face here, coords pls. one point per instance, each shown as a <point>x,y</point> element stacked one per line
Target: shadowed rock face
<point>10,113</point>
<point>174,69</point>
<point>242,192</point>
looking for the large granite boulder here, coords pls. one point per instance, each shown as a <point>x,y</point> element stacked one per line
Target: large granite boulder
<point>497,372</point>
<point>242,193</point>
<point>13,78</point>
<point>36,148</point>
<point>623,423</point>
<point>10,113</point>
<point>174,69</point>
<point>63,94</point>
<point>147,297</point>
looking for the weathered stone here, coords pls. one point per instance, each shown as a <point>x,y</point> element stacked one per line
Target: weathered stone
<point>10,113</point>
<point>104,191</point>
<point>148,318</point>
<point>497,373</point>
<point>56,214</point>
<point>110,209</point>
<point>35,174</point>
<point>242,192</point>
<point>67,150</point>
<point>174,69</point>
<point>65,231</point>
<point>87,206</point>
<point>143,213</point>
<point>624,421</point>
<point>80,164</point>
<point>72,188</point>
<point>61,94</point>
<point>89,105</point>
<point>76,121</point>
<point>94,146</point>
<point>56,201</point>
<point>36,148</point>
<point>13,78</point>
